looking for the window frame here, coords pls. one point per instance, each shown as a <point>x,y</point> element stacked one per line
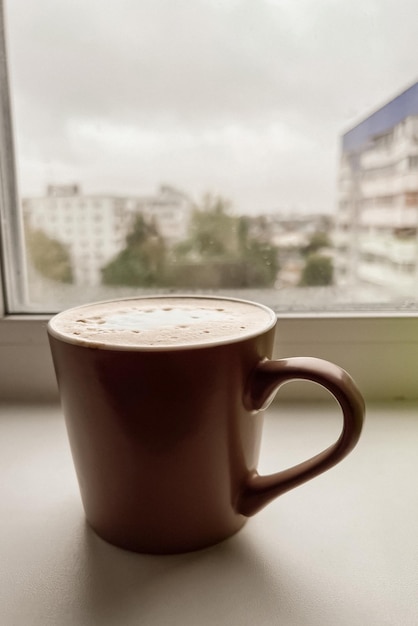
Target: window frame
<point>379,350</point>
<point>12,273</point>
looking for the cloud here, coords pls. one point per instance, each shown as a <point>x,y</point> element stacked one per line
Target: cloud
<point>246,95</point>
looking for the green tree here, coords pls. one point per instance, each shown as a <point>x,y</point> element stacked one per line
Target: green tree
<point>318,240</point>
<point>212,231</point>
<point>259,254</point>
<point>142,261</point>
<point>318,271</point>
<point>222,245</point>
<point>49,256</point>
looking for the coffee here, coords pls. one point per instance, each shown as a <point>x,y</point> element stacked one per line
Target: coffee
<point>161,321</point>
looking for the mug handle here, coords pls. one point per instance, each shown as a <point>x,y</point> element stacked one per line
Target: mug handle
<point>264,382</point>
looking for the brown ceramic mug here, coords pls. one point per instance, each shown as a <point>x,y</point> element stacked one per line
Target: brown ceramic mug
<point>162,399</point>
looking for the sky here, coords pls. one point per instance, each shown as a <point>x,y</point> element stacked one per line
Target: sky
<point>246,99</point>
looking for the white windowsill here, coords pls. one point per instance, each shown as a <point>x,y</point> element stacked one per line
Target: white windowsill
<point>380,352</point>
<point>341,550</point>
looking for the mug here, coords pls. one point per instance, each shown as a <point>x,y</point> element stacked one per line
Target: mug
<point>165,436</point>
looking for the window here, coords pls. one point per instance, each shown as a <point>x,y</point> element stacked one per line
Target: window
<point>247,126</point>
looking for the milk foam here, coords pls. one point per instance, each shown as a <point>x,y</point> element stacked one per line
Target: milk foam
<point>164,321</point>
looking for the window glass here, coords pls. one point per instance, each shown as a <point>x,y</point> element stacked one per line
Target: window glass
<point>266,149</point>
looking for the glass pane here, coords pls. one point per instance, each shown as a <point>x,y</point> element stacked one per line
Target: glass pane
<point>266,149</point>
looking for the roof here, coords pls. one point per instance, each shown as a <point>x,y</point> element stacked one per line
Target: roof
<point>382,120</point>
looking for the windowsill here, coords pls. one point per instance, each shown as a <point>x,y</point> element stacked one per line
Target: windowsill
<point>340,550</point>
<point>380,352</point>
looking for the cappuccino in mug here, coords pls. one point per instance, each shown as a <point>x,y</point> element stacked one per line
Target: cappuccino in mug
<point>163,398</point>
<point>157,322</point>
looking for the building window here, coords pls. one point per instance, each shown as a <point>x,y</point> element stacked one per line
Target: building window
<point>411,199</point>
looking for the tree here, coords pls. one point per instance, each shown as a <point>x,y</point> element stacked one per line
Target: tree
<point>49,256</point>
<point>318,240</point>
<point>220,244</point>
<point>260,256</point>
<point>212,231</point>
<point>142,261</point>
<point>318,271</point>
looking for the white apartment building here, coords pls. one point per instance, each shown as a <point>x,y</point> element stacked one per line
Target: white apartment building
<point>93,228</point>
<point>169,209</point>
<point>376,236</point>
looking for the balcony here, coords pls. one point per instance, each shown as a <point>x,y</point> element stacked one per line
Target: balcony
<point>382,157</point>
<point>390,185</point>
<point>389,217</point>
<point>377,158</point>
<point>389,247</point>
<point>382,275</point>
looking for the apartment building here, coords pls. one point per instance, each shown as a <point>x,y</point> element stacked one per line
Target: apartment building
<point>93,228</point>
<point>169,209</point>
<point>376,230</point>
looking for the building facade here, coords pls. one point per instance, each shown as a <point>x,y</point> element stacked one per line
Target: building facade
<point>93,228</point>
<point>169,209</point>
<point>376,234</point>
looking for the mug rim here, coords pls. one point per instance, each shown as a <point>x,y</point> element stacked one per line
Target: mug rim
<point>97,345</point>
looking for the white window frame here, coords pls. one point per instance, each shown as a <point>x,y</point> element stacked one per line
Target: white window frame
<point>379,350</point>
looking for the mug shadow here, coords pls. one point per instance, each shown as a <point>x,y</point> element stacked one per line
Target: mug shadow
<point>230,583</point>
<point>69,576</point>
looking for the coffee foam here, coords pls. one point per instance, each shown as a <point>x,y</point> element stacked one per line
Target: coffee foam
<point>156,322</point>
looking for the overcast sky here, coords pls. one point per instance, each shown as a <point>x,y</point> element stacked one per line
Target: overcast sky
<point>243,98</point>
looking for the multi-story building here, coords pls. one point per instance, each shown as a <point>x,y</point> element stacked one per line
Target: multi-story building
<point>169,209</point>
<point>93,228</point>
<point>376,236</point>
